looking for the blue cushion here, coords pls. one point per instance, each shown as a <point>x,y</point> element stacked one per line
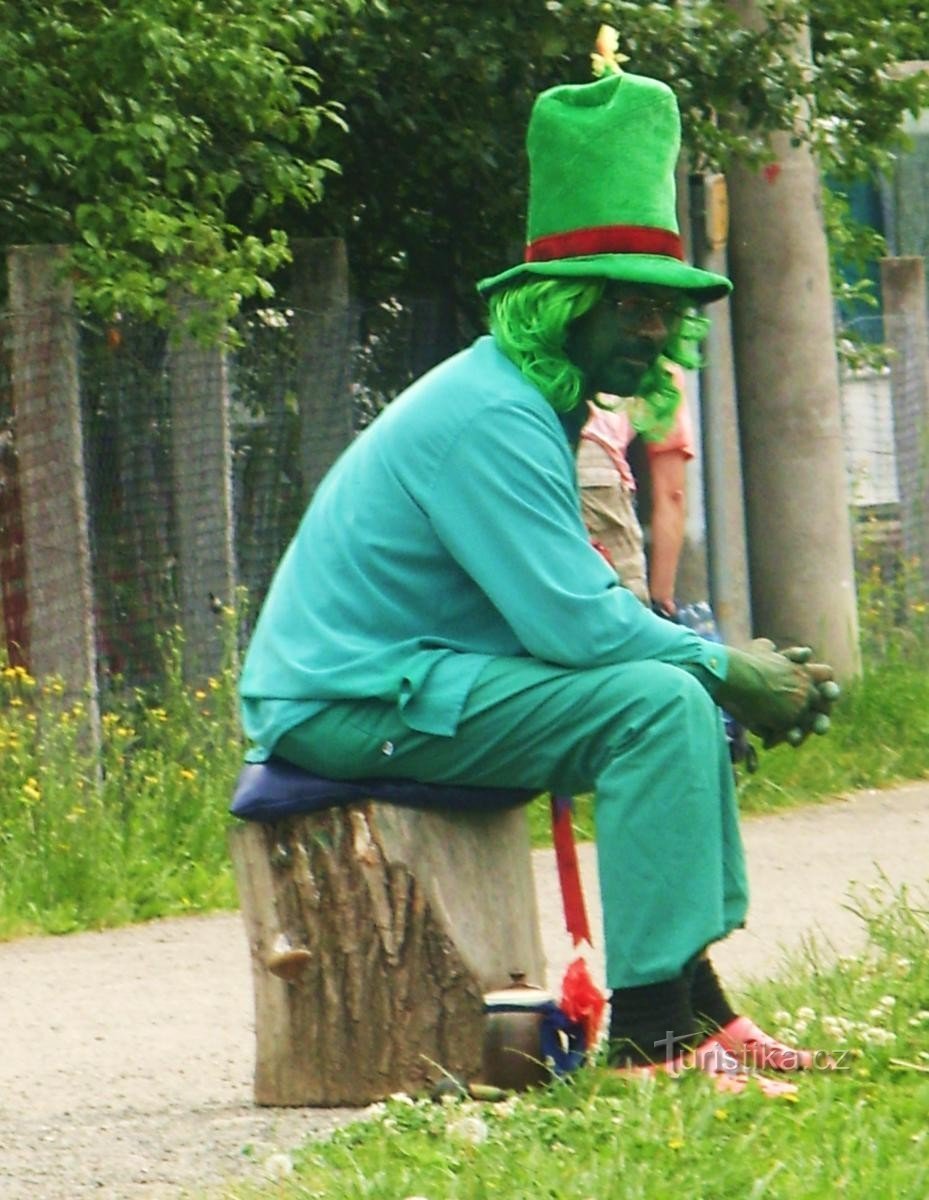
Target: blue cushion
<point>274,789</point>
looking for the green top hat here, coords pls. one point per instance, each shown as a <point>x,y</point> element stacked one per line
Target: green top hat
<point>601,188</point>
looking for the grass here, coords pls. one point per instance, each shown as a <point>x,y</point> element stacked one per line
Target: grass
<point>140,831</point>
<point>858,1132</point>
<point>136,833</point>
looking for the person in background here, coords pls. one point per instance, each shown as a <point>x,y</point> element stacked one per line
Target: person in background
<point>608,495</point>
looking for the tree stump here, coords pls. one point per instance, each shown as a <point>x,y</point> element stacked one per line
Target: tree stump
<point>374,933</point>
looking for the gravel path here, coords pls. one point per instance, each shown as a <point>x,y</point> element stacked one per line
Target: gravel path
<point>126,1071</point>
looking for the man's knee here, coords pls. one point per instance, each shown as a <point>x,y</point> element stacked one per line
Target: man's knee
<point>661,706</point>
<point>662,685</point>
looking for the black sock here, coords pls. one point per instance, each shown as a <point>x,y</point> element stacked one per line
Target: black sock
<point>707,998</point>
<point>649,1024</point>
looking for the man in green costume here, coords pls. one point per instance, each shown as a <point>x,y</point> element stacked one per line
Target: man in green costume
<point>440,614</point>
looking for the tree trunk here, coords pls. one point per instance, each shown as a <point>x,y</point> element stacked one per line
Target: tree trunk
<point>799,529</point>
<point>374,933</point>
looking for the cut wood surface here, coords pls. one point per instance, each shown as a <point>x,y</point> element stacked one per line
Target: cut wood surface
<point>374,932</point>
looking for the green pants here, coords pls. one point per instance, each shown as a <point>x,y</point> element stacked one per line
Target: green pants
<point>645,737</point>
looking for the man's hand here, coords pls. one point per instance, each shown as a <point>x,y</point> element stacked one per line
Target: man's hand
<point>778,695</point>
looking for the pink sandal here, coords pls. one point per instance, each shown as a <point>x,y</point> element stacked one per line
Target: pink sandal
<point>753,1047</point>
<point>730,1074</point>
<point>726,1071</point>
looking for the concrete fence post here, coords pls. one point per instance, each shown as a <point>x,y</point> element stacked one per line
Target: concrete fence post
<point>903,282</point>
<point>320,296</point>
<point>201,455</point>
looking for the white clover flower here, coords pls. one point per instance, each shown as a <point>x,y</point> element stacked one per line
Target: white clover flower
<point>403,1098</point>
<point>836,1026</point>
<point>806,1014</point>
<point>278,1166</point>
<point>471,1130</point>
<point>800,1027</point>
<point>781,1017</point>
<point>880,1037</point>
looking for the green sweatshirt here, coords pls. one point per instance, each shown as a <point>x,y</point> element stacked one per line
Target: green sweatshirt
<point>448,533</point>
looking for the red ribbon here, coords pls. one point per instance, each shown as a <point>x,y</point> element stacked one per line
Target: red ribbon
<point>605,239</point>
<point>569,875</point>
<point>581,999</point>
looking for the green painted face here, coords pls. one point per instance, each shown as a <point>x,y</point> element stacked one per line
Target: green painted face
<point>616,342</point>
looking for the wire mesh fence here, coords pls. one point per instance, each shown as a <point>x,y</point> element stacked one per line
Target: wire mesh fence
<point>165,429</point>
<point>885,414</point>
<point>195,467</point>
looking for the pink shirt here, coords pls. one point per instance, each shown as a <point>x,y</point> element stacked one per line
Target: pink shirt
<point>613,431</point>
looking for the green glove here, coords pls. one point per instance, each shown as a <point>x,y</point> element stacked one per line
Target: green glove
<point>777,695</point>
<point>816,720</point>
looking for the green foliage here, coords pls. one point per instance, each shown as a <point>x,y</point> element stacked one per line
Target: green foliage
<point>860,98</point>
<point>175,144</point>
<point>880,728</point>
<point>856,1132</point>
<point>157,140</point>
<point>450,104</point>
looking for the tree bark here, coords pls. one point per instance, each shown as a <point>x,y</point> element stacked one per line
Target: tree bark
<point>799,528</point>
<point>374,932</point>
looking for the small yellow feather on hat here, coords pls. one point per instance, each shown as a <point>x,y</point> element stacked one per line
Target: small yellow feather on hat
<point>606,58</point>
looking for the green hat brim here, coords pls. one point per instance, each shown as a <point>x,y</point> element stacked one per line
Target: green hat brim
<point>659,270</point>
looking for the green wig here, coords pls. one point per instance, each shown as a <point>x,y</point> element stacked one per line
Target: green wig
<point>529,322</point>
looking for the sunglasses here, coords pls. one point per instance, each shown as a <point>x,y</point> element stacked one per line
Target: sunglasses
<point>640,307</point>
